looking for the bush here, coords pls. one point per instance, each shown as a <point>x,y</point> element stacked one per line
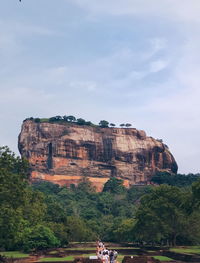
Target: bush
<point>39,237</point>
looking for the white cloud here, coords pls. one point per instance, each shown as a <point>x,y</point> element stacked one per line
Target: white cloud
<point>120,81</point>
<point>83,85</point>
<point>158,65</point>
<point>18,28</point>
<point>158,44</point>
<point>175,116</point>
<point>183,10</point>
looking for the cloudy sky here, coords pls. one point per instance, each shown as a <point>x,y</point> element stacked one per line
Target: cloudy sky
<point>135,61</point>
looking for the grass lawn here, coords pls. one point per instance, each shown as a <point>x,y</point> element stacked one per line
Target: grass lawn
<point>94,248</point>
<point>187,250</point>
<point>68,258</point>
<point>133,248</point>
<point>81,248</point>
<point>84,255</point>
<point>162,258</point>
<point>14,254</point>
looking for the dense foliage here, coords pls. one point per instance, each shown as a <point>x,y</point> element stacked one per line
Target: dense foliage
<point>44,215</point>
<point>180,180</point>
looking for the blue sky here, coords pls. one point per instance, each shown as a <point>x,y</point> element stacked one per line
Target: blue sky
<point>135,61</point>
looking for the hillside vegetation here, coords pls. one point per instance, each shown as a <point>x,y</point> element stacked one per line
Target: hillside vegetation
<point>44,215</point>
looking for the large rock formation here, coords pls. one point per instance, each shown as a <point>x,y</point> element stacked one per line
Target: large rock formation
<point>65,153</point>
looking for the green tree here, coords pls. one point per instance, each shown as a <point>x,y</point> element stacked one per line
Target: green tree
<point>196,193</point>
<point>11,227</point>
<point>88,123</point>
<point>114,185</point>
<point>55,210</point>
<point>69,118</point>
<point>34,208</point>
<point>103,124</point>
<point>46,187</point>
<point>60,231</point>
<point>20,207</point>
<point>85,186</point>
<point>123,231</point>
<point>105,203</point>
<point>161,215</point>
<point>13,164</point>
<point>80,121</point>
<point>39,237</point>
<point>37,120</point>
<point>180,180</point>
<point>14,173</point>
<point>78,230</point>
<point>56,118</point>
<point>134,193</point>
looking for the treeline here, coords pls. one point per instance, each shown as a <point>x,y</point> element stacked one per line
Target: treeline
<point>44,215</point>
<point>180,180</point>
<point>78,121</point>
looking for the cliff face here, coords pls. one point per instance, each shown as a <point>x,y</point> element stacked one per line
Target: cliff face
<point>64,154</point>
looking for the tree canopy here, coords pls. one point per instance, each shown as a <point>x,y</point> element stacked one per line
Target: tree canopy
<point>42,215</point>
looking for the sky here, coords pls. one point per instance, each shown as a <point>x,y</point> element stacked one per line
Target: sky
<point>125,61</point>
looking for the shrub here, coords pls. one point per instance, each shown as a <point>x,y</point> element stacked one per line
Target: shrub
<point>39,237</point>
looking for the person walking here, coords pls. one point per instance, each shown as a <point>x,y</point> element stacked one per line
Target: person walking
<point>111,256</point>
<point>115,255</point>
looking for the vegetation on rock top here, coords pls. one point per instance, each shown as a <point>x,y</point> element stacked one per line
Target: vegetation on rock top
<point>79,121</point>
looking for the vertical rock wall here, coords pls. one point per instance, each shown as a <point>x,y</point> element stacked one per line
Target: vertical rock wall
<point>65,153</point>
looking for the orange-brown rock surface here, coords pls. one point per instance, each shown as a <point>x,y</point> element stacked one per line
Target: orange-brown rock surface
<point>65,153</point>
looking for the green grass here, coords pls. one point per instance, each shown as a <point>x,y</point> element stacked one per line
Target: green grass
<point>44,119</point>
<point>94,248</point>
<point>14,254</point>
<point>162,258</point>
<point>68,258</point>
<point>187,250</point>
<point>119,258</point>
<point>84,255</point>
<point>133,248</point>
<point>81,248</point>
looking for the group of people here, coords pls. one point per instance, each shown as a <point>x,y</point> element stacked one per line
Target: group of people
<point>106,256</point>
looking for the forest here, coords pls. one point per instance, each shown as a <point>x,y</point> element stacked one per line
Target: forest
<point>42,215</point>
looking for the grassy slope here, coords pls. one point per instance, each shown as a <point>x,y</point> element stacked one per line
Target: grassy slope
<point>14,254</point>
<point>162,258</point>
<point>187,250</point>
<point>69,258</point>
